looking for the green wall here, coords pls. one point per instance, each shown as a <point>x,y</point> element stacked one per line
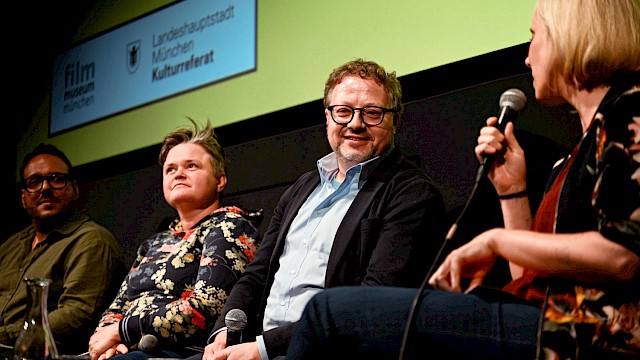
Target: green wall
<point>299,42</point>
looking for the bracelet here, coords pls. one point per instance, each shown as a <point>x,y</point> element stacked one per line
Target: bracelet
<point>522,193</point>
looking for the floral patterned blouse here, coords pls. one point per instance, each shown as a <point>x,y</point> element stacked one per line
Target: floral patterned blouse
<point>600,320</point>
<point>180,280</point>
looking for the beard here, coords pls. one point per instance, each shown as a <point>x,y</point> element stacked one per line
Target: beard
<point>46,220</point>
<point>349,156</point>
<point>46,224</point>
<point>354,156</point>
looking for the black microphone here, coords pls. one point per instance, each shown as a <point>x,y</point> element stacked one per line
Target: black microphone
<point>235,320</point>
<point>147,343</point>
<point>512,102</point>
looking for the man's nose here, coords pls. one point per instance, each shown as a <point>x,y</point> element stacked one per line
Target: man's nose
<point>357,121</point>
<point>45,182</point>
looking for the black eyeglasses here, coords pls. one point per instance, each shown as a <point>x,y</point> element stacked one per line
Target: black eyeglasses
<point>56,181</point>
<point>371,115</point>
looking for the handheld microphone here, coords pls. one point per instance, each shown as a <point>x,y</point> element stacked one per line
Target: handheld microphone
<point>147,343</point>
<point>512,102</point>
<point>235,320</point>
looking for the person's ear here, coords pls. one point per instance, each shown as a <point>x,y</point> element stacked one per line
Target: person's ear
<point>396,119</point>
<point>327,115</point>
<point>222,182</point>
<point>22,195</point>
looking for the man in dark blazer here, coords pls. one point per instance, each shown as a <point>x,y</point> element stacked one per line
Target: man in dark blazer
<point>367,216</point>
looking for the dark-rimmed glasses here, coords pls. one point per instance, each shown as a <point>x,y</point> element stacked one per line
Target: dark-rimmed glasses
<point>370,115</point>
<point>56,181</point>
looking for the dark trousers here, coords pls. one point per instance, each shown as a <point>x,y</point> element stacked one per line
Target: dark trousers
<point>369,322</point>
<point>141,355</point>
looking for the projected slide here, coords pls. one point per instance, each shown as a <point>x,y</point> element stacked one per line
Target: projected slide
<point>186,45</point>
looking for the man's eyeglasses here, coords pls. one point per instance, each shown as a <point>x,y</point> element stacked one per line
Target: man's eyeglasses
<point>371,115</point>
<point>56,181</point>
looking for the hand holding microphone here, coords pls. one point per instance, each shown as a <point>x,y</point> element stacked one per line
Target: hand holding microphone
<point>147,343</point>
<point>512,102</point>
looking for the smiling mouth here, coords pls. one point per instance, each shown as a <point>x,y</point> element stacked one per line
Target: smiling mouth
<point>353,138</point>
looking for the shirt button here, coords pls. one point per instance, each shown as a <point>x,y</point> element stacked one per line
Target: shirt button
<point>282,303</point>
<point>292,272</point>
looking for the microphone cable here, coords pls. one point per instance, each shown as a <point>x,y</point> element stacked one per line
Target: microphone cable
<point>416,300</point>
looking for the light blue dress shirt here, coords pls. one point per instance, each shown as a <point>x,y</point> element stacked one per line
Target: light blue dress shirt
<point>303,263</point>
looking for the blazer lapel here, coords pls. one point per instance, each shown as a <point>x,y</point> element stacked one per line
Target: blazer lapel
<point>359,209</point>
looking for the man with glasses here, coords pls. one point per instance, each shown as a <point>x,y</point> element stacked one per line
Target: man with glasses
<point>81,257</point>
<point>366,216</point>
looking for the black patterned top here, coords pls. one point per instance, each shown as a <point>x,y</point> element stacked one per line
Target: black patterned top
<point>180,280</point>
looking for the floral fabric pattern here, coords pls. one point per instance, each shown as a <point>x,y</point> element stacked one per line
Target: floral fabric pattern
<point>179,281</point>
<point>607,318</point>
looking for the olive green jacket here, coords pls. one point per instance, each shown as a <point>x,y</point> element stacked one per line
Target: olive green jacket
<point>84,263</point>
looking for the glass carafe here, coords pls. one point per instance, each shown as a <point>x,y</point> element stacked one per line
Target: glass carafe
<point>35,340</point>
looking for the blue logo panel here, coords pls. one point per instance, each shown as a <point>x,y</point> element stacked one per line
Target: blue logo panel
<point>184,46</point>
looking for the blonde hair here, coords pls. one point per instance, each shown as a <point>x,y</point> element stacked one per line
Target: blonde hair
<point>593,42</point>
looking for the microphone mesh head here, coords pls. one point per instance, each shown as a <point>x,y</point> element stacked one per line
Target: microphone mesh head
<point>235,319</point>
<point>513,98</point>
<point>148,343</point>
